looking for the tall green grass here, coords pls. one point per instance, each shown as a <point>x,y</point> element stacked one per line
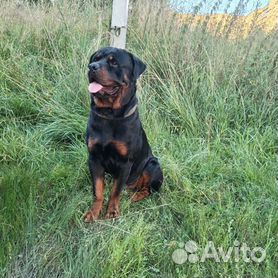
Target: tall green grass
<point>209,108</point>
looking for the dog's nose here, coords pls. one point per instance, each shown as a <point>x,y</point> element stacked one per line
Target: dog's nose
<point>94,66</point>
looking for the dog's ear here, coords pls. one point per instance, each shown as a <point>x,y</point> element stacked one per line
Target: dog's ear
<point>138,66</point>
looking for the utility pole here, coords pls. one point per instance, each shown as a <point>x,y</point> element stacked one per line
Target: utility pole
<point>119,23</point>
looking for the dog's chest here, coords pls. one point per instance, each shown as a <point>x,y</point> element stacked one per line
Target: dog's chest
<point>109,140</point>
<point>106,148</point>
<point>112,154</point>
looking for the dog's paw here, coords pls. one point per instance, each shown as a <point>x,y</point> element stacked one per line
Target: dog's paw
<point>90,216</point>
<point>112,213</point>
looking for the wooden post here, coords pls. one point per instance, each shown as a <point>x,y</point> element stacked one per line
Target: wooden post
<point>119,23</point>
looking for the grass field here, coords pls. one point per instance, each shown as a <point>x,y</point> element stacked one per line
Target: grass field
<point>209,108</point>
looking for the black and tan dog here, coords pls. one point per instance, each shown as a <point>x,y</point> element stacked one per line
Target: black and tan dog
<point>116,141</point>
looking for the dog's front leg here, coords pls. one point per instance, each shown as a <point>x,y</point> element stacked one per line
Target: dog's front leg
<point>113,210</point>
<point>97,174</point>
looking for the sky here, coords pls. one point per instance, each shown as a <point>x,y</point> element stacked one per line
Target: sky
<point>227,6</point>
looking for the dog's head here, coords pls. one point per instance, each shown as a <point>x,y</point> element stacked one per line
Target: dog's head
<point>112,75</point>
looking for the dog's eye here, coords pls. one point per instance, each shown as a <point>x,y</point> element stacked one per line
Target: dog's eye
<point>112,61</point>
<point>97,58</point>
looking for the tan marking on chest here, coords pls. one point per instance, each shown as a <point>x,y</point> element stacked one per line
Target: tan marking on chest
<point>91,143</point>
<point>121,147</point>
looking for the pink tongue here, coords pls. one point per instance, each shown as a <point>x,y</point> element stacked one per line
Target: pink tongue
<point>94,87</point>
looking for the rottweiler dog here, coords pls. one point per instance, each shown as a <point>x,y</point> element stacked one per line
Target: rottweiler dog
<point>116,141</point>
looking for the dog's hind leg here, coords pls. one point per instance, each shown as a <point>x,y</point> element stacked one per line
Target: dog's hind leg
<point>150,180</point>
